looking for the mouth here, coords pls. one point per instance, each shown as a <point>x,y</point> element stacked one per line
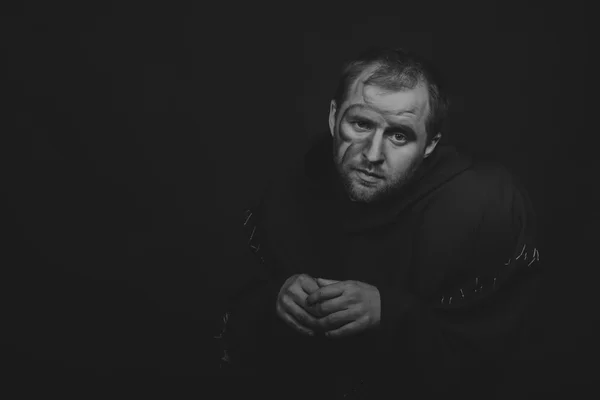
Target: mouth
<point>368,177</point>
<point>364,171</point>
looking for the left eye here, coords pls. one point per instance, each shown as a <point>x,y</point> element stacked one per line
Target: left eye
<point>398,137</point>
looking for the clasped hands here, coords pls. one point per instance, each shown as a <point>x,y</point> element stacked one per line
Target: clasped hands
<point>336,308</point>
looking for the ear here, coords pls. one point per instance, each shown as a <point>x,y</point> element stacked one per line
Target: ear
<point>332,115</point>
<point>431,146</point>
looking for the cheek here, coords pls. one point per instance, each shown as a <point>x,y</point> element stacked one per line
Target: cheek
<point>347,145</point>
<point>345,132</point>
<point>401,159</point>
<point>344,152</point>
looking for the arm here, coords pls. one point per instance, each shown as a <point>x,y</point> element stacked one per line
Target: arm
<point>251,308</point>
<point>469,323</point>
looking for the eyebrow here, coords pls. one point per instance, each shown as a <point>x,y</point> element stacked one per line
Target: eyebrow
<point>368,107</point>
<point>393,125</point>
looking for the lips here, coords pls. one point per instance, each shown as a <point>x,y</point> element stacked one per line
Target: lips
<point>367,176</point>
<point>364,172</point>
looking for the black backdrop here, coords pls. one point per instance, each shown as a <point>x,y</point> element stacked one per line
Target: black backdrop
<point>136,134</point>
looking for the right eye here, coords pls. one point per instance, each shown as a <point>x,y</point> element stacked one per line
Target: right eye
<point>362,125</point>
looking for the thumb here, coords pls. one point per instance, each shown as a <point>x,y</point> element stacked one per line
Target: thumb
<point>324,282</point>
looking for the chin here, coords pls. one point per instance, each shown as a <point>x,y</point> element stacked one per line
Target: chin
<point>359,194</point>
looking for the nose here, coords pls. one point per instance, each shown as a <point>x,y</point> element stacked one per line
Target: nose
<point>373,151</point>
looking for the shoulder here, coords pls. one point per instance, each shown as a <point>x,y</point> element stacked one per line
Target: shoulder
<point>472,224</point>
<point>481,207</point>
<point>280,202</point>
<point>464,199</point>
<point>486,186</point>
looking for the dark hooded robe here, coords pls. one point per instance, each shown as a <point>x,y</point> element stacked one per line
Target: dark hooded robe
<point>453,256</point>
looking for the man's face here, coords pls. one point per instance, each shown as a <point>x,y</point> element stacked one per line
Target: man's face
<point>379,138</point>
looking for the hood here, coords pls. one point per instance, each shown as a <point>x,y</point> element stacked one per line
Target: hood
<point>439,168</point>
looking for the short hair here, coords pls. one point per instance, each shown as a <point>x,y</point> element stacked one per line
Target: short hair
<point>398,69</point>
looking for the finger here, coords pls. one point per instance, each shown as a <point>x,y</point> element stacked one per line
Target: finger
<point>308,284</point>
<point>293,323</point>
<point>299,297</point>
<point>327,307</point>
<point>351,328</point>
<point>337,319</point>
<point>301,315</point>
<point>325,293</point>
<point>324,282</point>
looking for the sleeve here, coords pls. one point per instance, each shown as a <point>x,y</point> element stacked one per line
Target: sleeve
<point>251,307</point>
<point>461,336</point>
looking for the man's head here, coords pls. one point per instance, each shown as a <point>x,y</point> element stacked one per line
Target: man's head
<point>385,120</point>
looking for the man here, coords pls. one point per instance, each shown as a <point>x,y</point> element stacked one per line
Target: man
<point>391,264</point>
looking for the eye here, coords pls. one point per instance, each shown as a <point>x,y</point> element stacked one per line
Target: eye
<point>362,125</point>
<point>399,138</point>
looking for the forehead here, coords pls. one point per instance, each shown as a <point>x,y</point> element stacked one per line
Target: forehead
<point>411,103</point>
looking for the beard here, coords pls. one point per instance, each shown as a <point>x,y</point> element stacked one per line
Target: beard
<point>367,192</point>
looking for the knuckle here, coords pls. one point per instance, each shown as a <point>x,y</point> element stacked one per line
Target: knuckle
<point>295,325</point>
<point>287,302</point>
<point>281,298</point>
<point>319,308</point>
<point>291,290</point>
<point>301,314</point>
<point>292,321</point>
<point>294,298</point>
<point>305,319</point>
<point>299,317</point>
<point>323,311</point>
<point>294,289</point>
<point>301,328</point>
<point>321,324</point>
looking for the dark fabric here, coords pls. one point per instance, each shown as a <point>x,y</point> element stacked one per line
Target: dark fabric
<point>453,256</point>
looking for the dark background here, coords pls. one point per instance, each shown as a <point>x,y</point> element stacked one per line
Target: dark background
<point>136,134</point>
